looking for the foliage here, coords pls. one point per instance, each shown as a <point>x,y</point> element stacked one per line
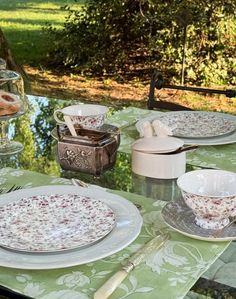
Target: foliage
<point>39,152</point>
<point>120,177</point>
<point>109,36</point>
<point>98,37</point>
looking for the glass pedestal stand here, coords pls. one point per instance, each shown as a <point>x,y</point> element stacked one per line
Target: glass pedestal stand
<point>13,103</point>
<point>7,147</point>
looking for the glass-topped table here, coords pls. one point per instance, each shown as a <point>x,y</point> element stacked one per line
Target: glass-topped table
<point>39,156</point>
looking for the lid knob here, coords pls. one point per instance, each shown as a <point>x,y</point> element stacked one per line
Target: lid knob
<point>146,129</point>
<point>161,130</point>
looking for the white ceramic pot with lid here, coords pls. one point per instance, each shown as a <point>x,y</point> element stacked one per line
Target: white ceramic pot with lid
<point>159,157</point>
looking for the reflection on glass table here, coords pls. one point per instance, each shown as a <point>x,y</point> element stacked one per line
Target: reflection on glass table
<point>34,128</point>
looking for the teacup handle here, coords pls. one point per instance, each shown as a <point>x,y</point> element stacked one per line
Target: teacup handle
<point>56,117</point>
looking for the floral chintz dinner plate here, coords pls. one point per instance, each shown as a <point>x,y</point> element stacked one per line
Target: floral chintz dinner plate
<point>197,124</point>
<point>56,222</point>
<point>128,223</point>
<point>180,217</point>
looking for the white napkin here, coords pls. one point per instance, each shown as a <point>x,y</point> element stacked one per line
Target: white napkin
<point>161,129</point>
<point>146,129</point>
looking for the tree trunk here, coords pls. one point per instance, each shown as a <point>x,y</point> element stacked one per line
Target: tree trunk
<point>5,53</point>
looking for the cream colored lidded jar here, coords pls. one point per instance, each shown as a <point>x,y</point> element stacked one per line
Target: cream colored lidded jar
<point>161,157</point>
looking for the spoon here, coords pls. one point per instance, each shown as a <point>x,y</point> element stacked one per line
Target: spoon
<point>70,125</point>
<point>218,233</point>
<point>182,149</point>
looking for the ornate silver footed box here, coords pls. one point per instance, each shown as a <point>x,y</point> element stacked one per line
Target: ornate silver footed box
<point>91,151</point>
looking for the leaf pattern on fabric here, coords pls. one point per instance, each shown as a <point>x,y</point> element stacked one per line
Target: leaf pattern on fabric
<point>181,256</point>
<point>73,279</point>
<point>34,289</point>
<point>131,287</point>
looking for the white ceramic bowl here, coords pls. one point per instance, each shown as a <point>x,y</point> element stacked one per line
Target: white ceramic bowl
<point>153,157</point>
<point>88,116</point>
<point>211,194</point>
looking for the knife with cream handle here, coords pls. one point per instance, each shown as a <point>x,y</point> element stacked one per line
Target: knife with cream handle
<point>70,125</point>
<point>112,283</point>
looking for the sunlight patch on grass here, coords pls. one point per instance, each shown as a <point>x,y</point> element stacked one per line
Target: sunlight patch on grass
<point>19,26</point>
<point>22,23</point>
<point>54,4</point>
<point>218,103</point>
<point>31,17</point>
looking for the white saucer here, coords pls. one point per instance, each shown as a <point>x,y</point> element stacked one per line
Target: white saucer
<point>180,217</point>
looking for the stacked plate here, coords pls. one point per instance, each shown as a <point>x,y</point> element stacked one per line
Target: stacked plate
<point>198,127</point>
<point>61,226</point>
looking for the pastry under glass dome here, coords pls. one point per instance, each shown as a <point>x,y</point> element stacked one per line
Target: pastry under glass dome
<point>13,103</point>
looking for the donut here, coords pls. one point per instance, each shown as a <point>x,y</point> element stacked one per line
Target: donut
<point>9,103</point>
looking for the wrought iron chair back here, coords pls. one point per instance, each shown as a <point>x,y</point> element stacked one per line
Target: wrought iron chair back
<point>157,82</point>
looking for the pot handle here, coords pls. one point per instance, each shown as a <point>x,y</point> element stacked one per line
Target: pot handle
<point>187,148</point>
<point>182,149</point>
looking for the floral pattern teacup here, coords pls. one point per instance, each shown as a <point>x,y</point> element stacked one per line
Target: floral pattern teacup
<point>87,116</point>
<point>211,194</point>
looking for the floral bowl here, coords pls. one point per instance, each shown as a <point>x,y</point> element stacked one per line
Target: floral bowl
<point>88,116</point>
<point>211,194</point>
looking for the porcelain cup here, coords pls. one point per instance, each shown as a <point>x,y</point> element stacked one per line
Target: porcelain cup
<point>87,116</point>
<point>211,194</point>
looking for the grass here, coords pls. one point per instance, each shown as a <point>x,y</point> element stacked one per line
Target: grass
<point>22,22</point>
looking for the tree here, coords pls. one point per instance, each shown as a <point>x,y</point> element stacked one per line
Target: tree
<point>6,54</point>
<point>109,36</point>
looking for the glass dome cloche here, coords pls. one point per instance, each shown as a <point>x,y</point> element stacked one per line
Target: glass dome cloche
<point>13,103</point>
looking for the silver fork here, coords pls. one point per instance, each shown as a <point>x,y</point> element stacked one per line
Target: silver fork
<point>12,188</point>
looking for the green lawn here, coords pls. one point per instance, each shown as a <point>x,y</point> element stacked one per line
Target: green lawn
<point>22,22</point>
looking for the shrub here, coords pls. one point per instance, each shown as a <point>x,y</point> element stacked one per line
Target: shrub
<point>109,37</point>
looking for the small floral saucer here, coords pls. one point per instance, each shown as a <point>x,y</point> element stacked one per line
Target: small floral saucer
<point>180,217</point>
<point>57,222</point>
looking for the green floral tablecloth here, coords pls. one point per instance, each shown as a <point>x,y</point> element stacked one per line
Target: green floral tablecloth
<point>219,156</point>
<point>168,273</point>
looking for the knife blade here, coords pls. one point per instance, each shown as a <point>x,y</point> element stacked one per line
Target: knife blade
<point>113,282</point>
